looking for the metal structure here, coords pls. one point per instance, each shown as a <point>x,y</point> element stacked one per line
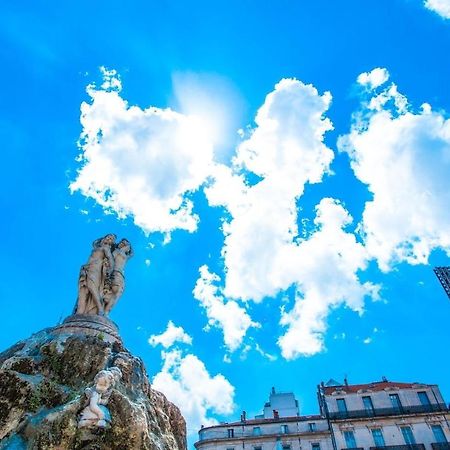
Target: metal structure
<point>443,274</point>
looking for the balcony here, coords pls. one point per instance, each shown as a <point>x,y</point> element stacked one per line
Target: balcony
<point>377,412</point>
<point>400,447</point>
<point>223,435</point>
<point>440,445</point>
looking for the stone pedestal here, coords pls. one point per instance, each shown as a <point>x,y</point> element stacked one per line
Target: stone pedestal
<point>92,325</point>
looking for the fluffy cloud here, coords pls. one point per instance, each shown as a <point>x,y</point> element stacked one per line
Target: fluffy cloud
<point>325,268</point>
<point>263,252</point>
<point>142,163</point>
<point>441,7</point>
<point>374,78</point>
<point>170,336</point>
<point>403,156</point>
<point>186,382</point>
<point>286,151</point>
<point>232,318</point>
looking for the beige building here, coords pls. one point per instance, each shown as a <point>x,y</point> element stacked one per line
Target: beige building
<point>386,415</point>
<point>377,416</point>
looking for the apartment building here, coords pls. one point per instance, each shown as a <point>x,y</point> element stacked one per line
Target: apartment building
<point>376,416</point>
<point>386,415</point>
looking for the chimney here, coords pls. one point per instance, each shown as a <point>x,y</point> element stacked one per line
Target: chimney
<point>244,416</point>
<point>273,390</point>
<point>275,414</point>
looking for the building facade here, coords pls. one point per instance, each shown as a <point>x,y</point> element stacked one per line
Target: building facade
<point>376,416</point>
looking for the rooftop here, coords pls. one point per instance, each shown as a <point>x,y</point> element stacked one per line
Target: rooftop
<point>374,386</point>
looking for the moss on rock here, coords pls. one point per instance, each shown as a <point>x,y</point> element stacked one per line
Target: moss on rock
<point>42,383</point>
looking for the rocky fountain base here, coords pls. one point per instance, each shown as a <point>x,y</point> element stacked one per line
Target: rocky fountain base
<point>48,381</point>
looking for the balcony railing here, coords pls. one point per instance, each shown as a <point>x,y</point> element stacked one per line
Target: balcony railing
<point>440,445</point>
<point>400,447</point>
<point>417,409</point>
<point>239,433</point>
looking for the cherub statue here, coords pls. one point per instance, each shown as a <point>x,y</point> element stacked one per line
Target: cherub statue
<point>96,414</point>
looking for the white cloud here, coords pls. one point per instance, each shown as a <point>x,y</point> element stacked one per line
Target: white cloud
<point>340,336</point>
<point>368,340</point>
<point>286,150</point>
<point>374,78</point>
<point>404,159</point>
<point>172,335</point>
<point>186,382</point>
<point>441,7</point>
<point>227,315</point>
<point>111,79</point>
<point>263,252</point>
<point>325,267</point>
<point>269,356</point>
<point>142,163</point>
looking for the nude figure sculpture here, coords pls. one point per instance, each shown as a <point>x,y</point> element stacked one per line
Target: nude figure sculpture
<point>115,283</point>
<point>102,280</point>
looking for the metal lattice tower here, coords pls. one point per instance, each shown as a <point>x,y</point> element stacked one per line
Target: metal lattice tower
<point>443,274</point>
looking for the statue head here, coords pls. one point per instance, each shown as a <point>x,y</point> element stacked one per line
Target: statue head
<point>109,239</point>
<point>125,246</point>
<point>106,379</point>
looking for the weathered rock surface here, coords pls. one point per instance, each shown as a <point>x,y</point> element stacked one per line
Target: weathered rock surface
<point>42,384</point>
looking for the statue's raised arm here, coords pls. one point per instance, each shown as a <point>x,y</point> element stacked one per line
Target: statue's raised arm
<point>93,276</point>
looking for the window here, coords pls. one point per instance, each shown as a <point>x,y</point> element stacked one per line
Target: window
<point>258,447</point>
<point>342,407</point>
<point>395,401</point>
<point>408,435</point>
<point>439,435</point>
<point>315,446</point>
<point>286,447</point>
<point>423,398</point>
<point>284,429</point>
<point>312,426</point>
<point>378,438</point>
<point>368,405</point>
<point>230,433</point>
<point>230,448</point>
<point>350,441</point>
<point>256,431</point>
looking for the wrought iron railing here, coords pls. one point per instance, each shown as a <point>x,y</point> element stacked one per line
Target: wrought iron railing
<point>416,409</point>
<point>400,447</point>
<point>440,445</point>
<point>222,434</point>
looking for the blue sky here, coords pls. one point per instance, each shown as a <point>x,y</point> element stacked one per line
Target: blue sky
<point>281,169</point>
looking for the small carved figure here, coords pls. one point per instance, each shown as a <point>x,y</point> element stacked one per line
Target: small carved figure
<point>115,282</point>
<point>93,274</point>
<point>96,414</point>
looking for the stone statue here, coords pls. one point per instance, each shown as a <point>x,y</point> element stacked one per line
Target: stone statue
<point>115,283</point>
<point>101,281</point>
<point>96,414</point>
